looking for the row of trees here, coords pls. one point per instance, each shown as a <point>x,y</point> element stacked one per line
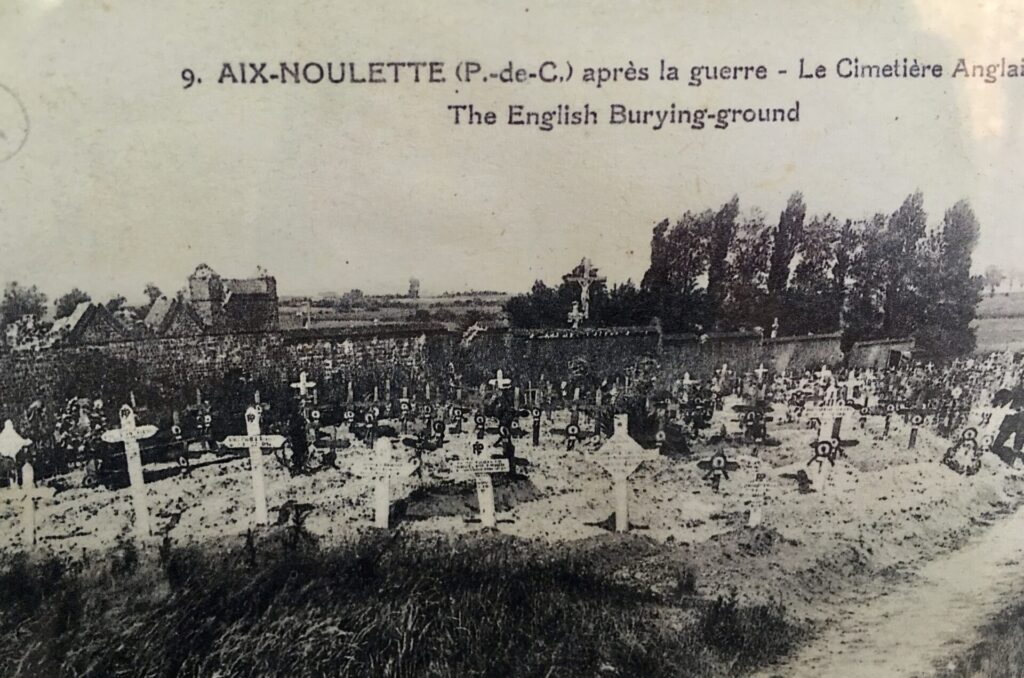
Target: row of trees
<point>21,301</point>
<point>722,270</point>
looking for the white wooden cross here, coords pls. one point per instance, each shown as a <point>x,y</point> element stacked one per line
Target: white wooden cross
<point>381,468</point>
<point>11,443</point>
<point>851,384</point>
<point>255,442</point>
<point>481,469</point>
<point>303,386</point>
<point>620,456</point>
<point>130,435</point>
<point>825,374</point>
<point>31,493</point>
<point>575,316</point>
<point>500,382</point>
<point>760,372</point>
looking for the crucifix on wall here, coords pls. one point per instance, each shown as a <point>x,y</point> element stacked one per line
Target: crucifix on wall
<point>585,275</point>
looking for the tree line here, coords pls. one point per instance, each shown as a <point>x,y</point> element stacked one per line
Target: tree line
<point>891,275</point>
<point>27,301</point>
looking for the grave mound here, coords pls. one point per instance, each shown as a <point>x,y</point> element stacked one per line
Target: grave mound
<point>451,498</point>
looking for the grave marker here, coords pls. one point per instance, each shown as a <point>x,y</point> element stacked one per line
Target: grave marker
<point>915,422</point>
<point>458,418</point>
<point>620,456</point>
<point>255,442</point>
<point>31,493</point>
<point>760,498</point>
<point>500,383</point>
<point>575,316</point>
<point>481,469</point>
<point>717,467</point>
<point>824,451</point>
<point>129,434</point>
<point>303,386</point>
<point>381,469</point>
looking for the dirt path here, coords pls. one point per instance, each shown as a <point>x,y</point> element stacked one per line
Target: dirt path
<point>920,622</point>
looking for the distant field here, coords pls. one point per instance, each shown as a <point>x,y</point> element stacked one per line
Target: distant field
<point>453,310</point>
<point>1000,323</point>
<point>1002,306</point>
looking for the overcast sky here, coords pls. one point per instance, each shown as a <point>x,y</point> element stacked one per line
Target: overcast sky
<point>127,178</point>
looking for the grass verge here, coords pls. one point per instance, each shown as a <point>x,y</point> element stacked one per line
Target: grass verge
<point>380,605</point>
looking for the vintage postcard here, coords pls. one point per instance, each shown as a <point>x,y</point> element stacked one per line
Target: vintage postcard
<point>525,338</point>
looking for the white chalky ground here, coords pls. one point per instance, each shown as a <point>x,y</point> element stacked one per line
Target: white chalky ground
<point>885,506</point>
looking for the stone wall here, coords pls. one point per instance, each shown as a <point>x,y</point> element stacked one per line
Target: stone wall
<point>875,354</point>
<point>407,355</point>
<point>799,354</point>
<point>555,354</point>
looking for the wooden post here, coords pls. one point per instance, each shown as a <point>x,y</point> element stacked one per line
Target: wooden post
<point>837,426</point>
<point>621,504</point>
<point>28,515</point>
<point>29,509</point>
<point>485,499</point>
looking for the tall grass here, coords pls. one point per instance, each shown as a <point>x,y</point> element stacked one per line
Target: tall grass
<point>999,655</point>
<point>382,605</point>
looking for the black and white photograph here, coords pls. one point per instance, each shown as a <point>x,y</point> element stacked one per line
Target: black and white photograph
<point>514,339</point>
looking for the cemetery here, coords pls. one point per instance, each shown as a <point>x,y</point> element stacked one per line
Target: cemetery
<point>788,485</point>
<point>617,481</point>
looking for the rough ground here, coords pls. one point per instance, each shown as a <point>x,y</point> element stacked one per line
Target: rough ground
<point>869,557</point>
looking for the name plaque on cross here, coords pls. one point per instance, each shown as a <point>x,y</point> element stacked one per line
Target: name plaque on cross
<point>480,466</point>
<point>255,442</point>
<point>129,434</point>
<point>381,469</point>
<point>481,469</point>
<point>620,456</point>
